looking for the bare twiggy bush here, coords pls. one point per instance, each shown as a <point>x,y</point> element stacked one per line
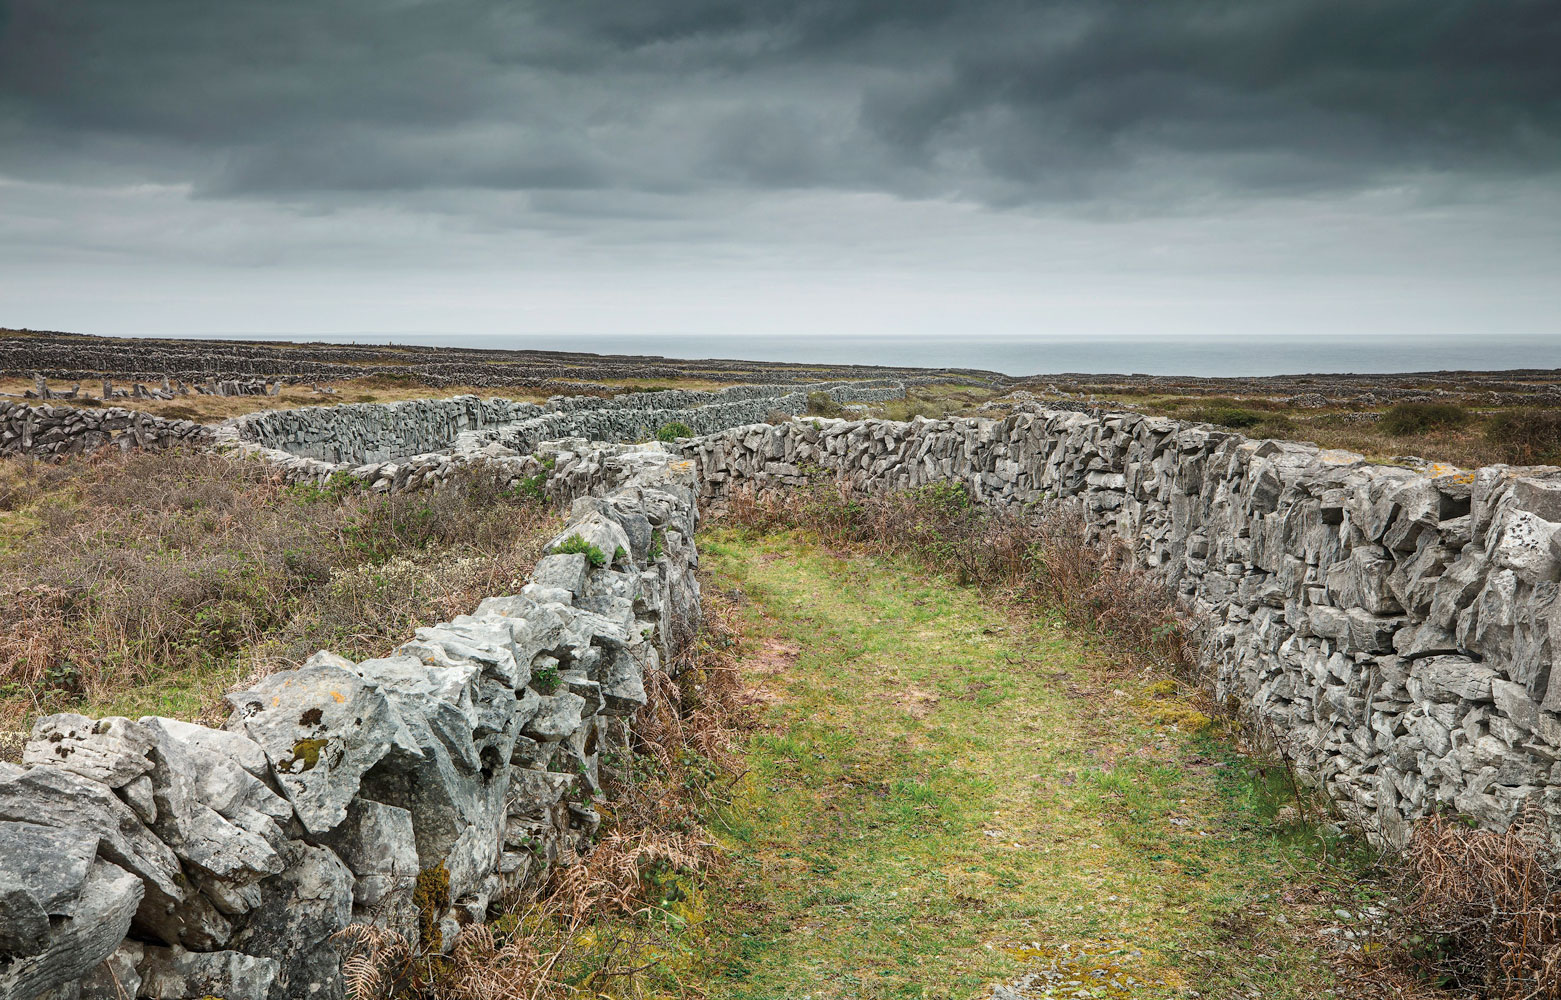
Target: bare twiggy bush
<point>126,567</point>
<point>1041,553</point>
<point>1484,908</point>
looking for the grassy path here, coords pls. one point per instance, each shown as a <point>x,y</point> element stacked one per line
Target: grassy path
<point>943,796</point>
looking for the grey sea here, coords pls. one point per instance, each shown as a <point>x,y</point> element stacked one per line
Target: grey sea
<point>1208,356</point>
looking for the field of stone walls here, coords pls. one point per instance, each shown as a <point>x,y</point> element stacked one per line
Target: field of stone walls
<point>1394,624</point>
<point>396,447</point>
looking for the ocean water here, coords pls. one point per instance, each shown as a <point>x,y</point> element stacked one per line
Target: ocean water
<point>1209,356</point>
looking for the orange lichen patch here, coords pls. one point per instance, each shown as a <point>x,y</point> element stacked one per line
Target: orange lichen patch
<point>338,696</point>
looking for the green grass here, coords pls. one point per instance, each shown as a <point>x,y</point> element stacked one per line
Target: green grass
<point>944,796</point>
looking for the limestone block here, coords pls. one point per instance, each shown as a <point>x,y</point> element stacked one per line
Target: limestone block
<point>321,728</point>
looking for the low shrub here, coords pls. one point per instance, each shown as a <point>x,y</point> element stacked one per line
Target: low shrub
<point>122,576</point>
<point>673,431</point>
<point>1236,417</point>
<point>1422,418</point>
<point>1527,437</point>
<point>822,404</point>
<point>181,412</point>
<point>576,545</point>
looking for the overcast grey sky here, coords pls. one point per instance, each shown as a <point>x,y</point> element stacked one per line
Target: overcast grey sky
<point>833,166</point>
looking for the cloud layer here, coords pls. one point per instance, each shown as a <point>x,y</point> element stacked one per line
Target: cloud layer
<point>687,124</point>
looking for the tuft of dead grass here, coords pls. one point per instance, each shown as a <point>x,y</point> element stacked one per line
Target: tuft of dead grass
<point>1484,908</point>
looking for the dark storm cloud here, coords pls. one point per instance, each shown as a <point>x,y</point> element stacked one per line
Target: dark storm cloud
<point>994,100</point>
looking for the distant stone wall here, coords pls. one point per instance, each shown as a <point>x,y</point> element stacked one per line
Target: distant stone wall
<point>1398,626</point>
<point>406,441</point>
<point>57,431</point>
<point>413,444</point>
<point>159,859</point>
<point>360,433</point>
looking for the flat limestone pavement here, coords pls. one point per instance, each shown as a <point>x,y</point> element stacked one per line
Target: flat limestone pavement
<point>944,799</point>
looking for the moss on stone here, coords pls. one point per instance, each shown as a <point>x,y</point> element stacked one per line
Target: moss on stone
<point>306,752</point>
<point>432,899</point>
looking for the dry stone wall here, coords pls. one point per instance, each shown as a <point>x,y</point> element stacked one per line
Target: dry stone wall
<point>58,431</point>
<point>433,439</point>
<point>160,859</point>
<point>1397,626</point>
<point>371,433</point>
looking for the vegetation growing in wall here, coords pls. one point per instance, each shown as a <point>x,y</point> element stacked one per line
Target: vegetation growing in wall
<point>673,431</point>
<point>151,584</point>
<point>577,545</point>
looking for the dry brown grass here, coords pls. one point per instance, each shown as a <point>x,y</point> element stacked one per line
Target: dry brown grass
<point>1042,556</point>
<point>1484,437</point>
<point>1483,910</point>
<point>586,931</point>
<point>153,582</point>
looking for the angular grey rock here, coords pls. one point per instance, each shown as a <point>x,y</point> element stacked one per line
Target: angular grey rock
<point>24,926</point>
<point>50,863</point>
<point>117,977</point>
<point>565,571</point>
<point>198,833</point>
<point>97,923</point>
<point>623,680</point>
<point>113,751</point>
<point>557,716</point>
<point>53,797</point>
<point>302,908</point>
<point>177,974</point>
<point>321,728</point>
<point>235,746</point>
<point>378,844</point>
<point>138,795</point>
<point>596,529</point>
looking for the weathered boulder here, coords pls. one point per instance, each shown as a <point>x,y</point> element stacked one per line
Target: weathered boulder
<point>184,780</point>
<point>113,751</point>
<point>565,571</point>
<point>377,842</point>
<point>176,974</point>
<point>52,797</point>
<point>301,909</point>
<point>322,728</point>
<point>94,924</point>
<point>117,977</point>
